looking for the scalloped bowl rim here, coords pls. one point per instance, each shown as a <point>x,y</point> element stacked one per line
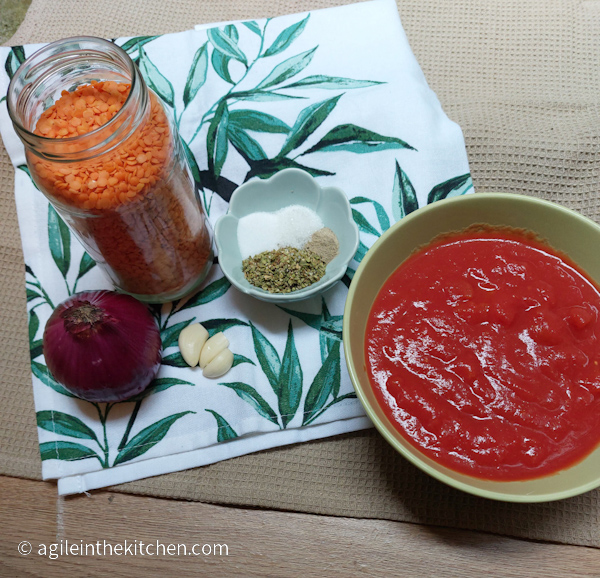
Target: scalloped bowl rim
<point>495,490</point>
<point>280,178</point>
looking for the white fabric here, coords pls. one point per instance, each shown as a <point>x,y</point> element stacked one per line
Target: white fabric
<point>362,42</point>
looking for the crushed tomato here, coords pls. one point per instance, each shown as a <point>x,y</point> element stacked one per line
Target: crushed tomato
<point>483,348</point>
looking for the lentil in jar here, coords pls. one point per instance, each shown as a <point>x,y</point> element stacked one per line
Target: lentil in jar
<point>132,204</point>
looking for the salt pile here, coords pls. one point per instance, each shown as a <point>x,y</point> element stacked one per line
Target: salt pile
<point>291,226</point>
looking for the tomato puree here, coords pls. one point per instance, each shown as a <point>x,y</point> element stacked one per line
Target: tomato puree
<point>483,348</point>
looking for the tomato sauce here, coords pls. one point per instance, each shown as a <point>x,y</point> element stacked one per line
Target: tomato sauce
<point>483,349</point>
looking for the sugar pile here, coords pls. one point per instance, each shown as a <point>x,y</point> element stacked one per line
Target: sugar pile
<point>291,226</point>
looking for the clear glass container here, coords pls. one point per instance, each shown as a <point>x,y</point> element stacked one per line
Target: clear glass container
<point>123,187</point>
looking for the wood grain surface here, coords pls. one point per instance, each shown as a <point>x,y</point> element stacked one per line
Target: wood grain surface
<point>247,542</point>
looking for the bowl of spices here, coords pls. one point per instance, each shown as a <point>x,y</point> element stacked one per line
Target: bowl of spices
<point>286,238</point>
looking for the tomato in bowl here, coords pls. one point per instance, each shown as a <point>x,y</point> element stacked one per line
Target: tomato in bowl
<point>423,329</point>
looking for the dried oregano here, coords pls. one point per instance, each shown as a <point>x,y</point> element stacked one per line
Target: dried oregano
<point>283,270</point>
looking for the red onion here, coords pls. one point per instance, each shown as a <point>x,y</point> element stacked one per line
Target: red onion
<point>102,346</point>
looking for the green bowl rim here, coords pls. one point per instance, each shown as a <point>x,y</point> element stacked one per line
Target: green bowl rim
<point>382,428</point>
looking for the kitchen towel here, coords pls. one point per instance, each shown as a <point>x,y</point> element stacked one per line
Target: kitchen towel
<point>340,91</point>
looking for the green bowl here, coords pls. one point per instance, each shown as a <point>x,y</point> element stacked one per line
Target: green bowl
<point>564,229</point>
<point>287,187</point>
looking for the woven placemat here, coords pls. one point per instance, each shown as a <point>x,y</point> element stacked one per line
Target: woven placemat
<point>521,77</point>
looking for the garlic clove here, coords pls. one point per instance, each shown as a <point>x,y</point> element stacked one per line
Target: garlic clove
<point>219,365</point>
<point>191,341</point>
<point>217,343</point>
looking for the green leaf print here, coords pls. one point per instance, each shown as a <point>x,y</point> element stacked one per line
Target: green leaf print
<point>327,341</point>
<point>268,167</point>
<point>174,360</point>
<point>85,265</point>
<point>328,326</point>
<point>216,140</point>
<point>64,424</point>
<point>404,196</point>
<point>197,75</point>
<point>132,45</point>
<point>287,69</point>
<point>248,148</point>
<point>238,359</point>
<point>66,451</point>
<point>34,325</point>
<point>354,139</point>
<point>286,37</point>
<point>360,252</point>
<point>253,26</point>
<point>31,294</point>
<point>335,401</point>
<point>327,378</point>
<point>262,96</point>
<point>310,319</point>
<point>220,64</point>
<point>268,358</point>
<point>26,170</point>
<point>331,328</point>
<point>215,325</point>
<point>451,188</point>
<point>232,32</point>
<point>15,58</point>
<point>35,345</point>
<point>330,83</point>
<point>59,239</point>
<point>327,382</point>
<point>220,61</point>
<point>159,384</point>
<point>211,292</point>
<point>226,45</point>
<point>347,278</point>
<point>363,224</point>
<point>309,120</point>
<point>257,121</point>
<point>155,79</point>
<point>170,335</point>
<point>44,375</point>
<point>147,438</point>
<point>251,396</point>
<point>224,431</point>
<point>191,159</point>
<point>36,349</point>
<point>384,221</point>
<point>290,380</point>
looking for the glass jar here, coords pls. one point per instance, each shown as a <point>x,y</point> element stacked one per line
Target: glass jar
<point>117,176</point>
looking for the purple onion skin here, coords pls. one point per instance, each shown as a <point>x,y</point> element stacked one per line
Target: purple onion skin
<point>102,346</point>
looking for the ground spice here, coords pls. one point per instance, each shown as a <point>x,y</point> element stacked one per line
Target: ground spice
<point>139,195</point>
<point>325,244</point>
<point>283,270</point>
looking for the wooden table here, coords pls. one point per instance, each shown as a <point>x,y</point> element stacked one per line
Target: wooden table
<point>258,542</point>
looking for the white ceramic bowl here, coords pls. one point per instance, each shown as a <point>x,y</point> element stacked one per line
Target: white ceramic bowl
<point>287,187</point>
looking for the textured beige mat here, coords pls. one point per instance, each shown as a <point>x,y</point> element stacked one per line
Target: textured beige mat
<point>522,78</point>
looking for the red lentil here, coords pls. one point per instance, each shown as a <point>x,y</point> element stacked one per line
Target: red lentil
<point>135,199</point>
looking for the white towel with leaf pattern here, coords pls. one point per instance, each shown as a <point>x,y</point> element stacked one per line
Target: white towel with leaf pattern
<point>336,92</point>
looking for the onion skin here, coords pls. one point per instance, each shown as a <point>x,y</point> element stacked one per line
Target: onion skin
<point>102,346</point>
